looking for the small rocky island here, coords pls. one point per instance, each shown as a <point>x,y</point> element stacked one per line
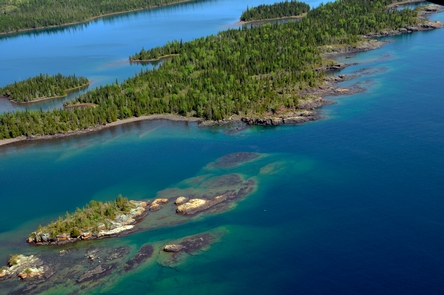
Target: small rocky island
<point>217,189</point>
<point>96,220</point>
<point>23,267</point>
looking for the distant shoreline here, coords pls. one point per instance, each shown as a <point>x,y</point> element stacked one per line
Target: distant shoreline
<point>272,19</point>
<point>154,59</point>
<point>405,3</point>
<point>91,19</point>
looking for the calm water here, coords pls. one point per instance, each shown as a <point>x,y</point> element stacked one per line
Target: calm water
<point>99,50</point>
<point>351,204</point>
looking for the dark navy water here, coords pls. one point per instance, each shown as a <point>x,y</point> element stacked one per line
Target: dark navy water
<point>351,204</point>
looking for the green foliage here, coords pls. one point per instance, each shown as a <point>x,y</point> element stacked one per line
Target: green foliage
<point>13,259</point>
<point>244,71</point>
<point>277,10</point>
<point>75,232</point>
<point>88,218</point>
<point>18,15</point>
<point>42,86</point>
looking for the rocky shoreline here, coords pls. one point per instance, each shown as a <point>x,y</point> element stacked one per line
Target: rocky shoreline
<point>306,110</point>
<point>424,23</point>
<point>121,224</point>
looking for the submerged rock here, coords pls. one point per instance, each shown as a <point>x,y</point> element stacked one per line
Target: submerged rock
<point>177,251</point>
<point>232,160</point>
<point>156,205</point>
<point>98,272</point>
<point>144,253</point>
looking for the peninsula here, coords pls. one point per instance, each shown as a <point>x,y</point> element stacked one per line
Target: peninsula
<point>278,10</point>
<point>42,87</point>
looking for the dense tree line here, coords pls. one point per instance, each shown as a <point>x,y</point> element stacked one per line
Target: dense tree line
<point>242,71</point>
<point>42,86</point>
<point>18,15</point>
<point>277,10</point>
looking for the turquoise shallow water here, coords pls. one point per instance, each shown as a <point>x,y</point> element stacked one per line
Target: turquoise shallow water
<point>353,206</point>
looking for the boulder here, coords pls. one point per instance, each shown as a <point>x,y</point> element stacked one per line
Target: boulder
<point>45,237</point>
<point>61,238</point>
<point>86,235</point>
<point>194,206</point>
<point>160,201</point>
<point>173,248</point>
<point>181,200</point>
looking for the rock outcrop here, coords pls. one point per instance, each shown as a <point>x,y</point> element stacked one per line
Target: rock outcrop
<point>156,205</point>
<point>173,248</point>
<point>119,224</point>
<point>194,206</point>
<point>25,267</point>
<point>181,200</point>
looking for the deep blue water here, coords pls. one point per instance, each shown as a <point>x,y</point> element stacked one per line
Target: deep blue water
<point>354,207</point>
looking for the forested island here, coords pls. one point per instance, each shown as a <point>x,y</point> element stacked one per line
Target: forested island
<point>95,220</point>
<point>43,87</point>
<point>19,15</point>
<point>277,10</point>
<point>240,72</point>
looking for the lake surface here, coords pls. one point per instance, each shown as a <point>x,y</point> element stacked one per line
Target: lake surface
<point>351,204</point>
<point>100,50</point>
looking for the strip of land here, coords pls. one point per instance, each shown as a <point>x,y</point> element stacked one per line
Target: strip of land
<point>92,18</point>
<point>67,91</point>
<point>273,19</point>
<point>170,117</point>
<point>154,59</point>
